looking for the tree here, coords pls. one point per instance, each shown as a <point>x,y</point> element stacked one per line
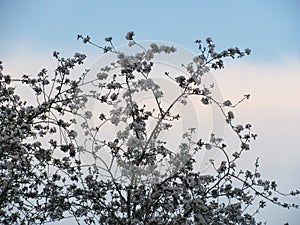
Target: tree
<point>44,145</point>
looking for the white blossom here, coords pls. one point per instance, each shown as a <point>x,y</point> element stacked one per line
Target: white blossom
<point>102,75</point>
<point>88,114</point>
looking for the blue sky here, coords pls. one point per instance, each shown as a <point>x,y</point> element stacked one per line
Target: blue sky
<point>268,27</point>
<point>32,30</point>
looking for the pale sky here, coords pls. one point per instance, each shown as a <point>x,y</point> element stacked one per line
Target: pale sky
<point>32,30</point>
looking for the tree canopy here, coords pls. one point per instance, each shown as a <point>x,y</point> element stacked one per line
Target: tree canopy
<point>133,176</point>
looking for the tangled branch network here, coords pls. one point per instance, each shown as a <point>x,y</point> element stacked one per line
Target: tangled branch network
<point>135,139</point>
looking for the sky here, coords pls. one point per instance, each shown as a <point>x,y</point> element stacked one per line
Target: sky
<point>32,30</point>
